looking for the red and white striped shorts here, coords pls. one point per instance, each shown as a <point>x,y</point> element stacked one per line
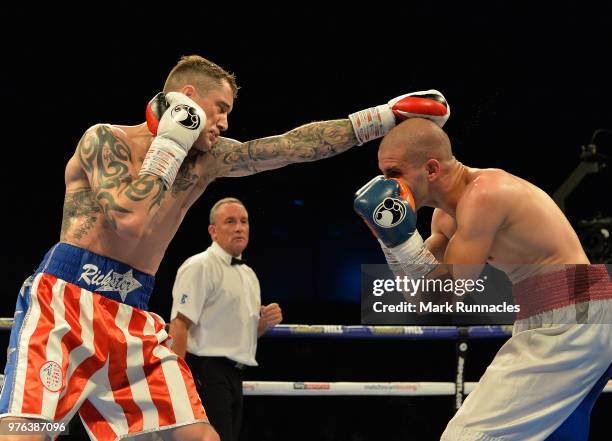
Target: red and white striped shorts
<point>79,351</point>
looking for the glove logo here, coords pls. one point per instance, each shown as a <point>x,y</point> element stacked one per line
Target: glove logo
<point>186,116</point>
<point>389,213</point>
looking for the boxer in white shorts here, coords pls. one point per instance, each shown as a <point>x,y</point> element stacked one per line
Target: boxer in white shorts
<point>544,381</point>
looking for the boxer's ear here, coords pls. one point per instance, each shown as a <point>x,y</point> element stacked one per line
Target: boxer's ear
<point>433,169</point>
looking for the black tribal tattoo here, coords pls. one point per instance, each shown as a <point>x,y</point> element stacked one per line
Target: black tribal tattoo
<point>106,159</point>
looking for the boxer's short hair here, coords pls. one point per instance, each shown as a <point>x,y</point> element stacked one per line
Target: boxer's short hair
<point>202,73</point>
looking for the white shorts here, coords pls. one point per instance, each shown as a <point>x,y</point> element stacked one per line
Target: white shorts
<point>550,367</point>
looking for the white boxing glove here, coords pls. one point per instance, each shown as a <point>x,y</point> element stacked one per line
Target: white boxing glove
<point>179,127</point>
<point>376,122</point>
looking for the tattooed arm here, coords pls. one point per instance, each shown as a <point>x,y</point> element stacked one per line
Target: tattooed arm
<point>128,201</point>
<point>310,142</point>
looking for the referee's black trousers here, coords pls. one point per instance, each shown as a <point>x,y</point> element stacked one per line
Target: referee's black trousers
<point>219,384</point>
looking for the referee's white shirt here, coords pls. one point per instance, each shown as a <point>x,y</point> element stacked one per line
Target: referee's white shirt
<point>222,301</point>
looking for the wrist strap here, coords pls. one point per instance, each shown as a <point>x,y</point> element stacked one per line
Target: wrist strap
<point>372,123</point>
<point>411,258</point>
<point>163,159</point>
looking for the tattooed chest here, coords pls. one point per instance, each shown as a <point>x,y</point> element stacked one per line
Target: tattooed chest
<point>186,178</point>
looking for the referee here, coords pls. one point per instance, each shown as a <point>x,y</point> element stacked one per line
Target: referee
<point>217,316</point>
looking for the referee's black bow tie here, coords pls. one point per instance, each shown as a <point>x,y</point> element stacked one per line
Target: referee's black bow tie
<point>236,261</point>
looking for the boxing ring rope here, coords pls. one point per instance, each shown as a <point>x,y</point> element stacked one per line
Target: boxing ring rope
<point>390,332</point>
<point>318,388</point>
<point>459,388</point>
<point>370,332</point>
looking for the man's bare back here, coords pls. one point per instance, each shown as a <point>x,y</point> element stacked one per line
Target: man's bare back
<point>481,215</point>
<point>531,231</point>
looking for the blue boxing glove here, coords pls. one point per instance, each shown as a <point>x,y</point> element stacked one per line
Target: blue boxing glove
<point>387,207</point>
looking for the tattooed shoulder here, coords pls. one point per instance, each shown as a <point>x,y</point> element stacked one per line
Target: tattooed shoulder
<point>106,158</point>
<point>105,155</point>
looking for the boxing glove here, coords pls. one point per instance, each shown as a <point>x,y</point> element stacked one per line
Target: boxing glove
<point>387,207</point>
<point>376,122</point>
<point>155,109</point>
<point>177,130</point>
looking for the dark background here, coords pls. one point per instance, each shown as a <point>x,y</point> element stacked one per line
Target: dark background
<point>527,87</point>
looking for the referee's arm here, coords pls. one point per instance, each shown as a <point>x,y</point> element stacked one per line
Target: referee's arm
<point>179,327</point>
